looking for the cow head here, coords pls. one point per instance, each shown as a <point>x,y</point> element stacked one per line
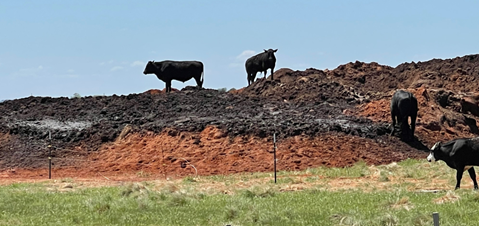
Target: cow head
<point>435,153</point>
<point>150,68</point>
<point>270,53</point>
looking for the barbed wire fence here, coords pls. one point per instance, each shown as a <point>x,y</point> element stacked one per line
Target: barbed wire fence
<point>56,161</point>
<point>50,157</point>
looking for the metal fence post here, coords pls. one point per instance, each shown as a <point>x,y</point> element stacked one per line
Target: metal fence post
<point>49,155</point>
<point>435,218</point>
<point>274,155</point>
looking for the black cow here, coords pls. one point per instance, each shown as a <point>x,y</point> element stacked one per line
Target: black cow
<point>403,106</point>
<point>460,154</point>
<point>260,62</point>
<point>176,70</point>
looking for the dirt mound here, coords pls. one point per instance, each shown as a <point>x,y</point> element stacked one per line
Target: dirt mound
<point>361,81</point>
<point>438,84</point>
<point>311,85</point>
<point>332,118</point>
<point>87,123</point>
<point>211,152</point>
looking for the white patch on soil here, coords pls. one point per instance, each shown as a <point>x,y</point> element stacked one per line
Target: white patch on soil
<point>54,124</point>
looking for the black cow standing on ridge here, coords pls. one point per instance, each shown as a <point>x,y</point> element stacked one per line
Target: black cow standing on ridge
<point>176,70</point>
<point>260,62</point>
<point>460,154</point>
<point>403,106</point>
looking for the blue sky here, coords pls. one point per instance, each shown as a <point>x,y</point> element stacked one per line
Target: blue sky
<point>58,48</point>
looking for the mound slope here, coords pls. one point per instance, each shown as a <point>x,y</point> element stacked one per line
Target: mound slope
<point>333,118</point>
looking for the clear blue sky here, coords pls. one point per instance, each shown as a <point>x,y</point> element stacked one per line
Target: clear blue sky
<point>58,48</point>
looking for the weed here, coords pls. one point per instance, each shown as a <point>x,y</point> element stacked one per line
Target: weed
<point>177,200</point>
<point>100,208</point>
<point>420,219</point>
<point>345,219</point>
<point>67,180</point>
<point>311,179</point>
<point>189,179</point>
<point>248,194</point>
<point>170,188</point>
<point>143,174</point>
<point>383,177</point>
<point>231,213</point>
<point>284,180</point>
<point>388,220</point>
<point>267,193</point>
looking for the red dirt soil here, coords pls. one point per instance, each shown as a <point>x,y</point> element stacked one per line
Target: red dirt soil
<point>161,155</point>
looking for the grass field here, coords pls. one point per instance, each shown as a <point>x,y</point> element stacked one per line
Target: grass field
<point>406,193</point>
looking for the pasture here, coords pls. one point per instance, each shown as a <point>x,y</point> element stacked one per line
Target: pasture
<point>406,193</point>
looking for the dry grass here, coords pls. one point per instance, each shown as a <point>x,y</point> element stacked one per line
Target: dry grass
<point>412,175</point>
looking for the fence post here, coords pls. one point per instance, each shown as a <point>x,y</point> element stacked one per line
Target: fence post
<point>274,155</point>
<point>49,155</point>
<point>435,218</point>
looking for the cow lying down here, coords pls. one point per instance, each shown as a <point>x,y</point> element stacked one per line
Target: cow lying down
<point>460,154</point>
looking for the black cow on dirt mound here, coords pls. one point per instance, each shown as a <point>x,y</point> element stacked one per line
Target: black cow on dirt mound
<point>260,62</point>
<point>460,154</point>
<point>403,106</point>
<point>176,70</point>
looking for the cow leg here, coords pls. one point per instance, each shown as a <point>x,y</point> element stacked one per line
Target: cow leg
<point>393,117</point>
<point>405,130</point>
<point>413,125</point>
<point>199,83</point>
<point>251,78</point>
<point>168,86</point>
<point>272,70</point>
<point>393,124</point>
<point>459,172</point>
<point>472,174</point>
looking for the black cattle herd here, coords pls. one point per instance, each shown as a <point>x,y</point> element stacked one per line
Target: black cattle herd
<point>183,71</point>
<point>460,154</point>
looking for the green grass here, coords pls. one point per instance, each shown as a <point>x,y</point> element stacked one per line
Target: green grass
<point>360,169</point>
<point>188,202</point>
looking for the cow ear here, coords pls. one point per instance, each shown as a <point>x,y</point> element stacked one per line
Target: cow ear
<point>275,50</point>
<point>457,145</point>
<point>265,50</point>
